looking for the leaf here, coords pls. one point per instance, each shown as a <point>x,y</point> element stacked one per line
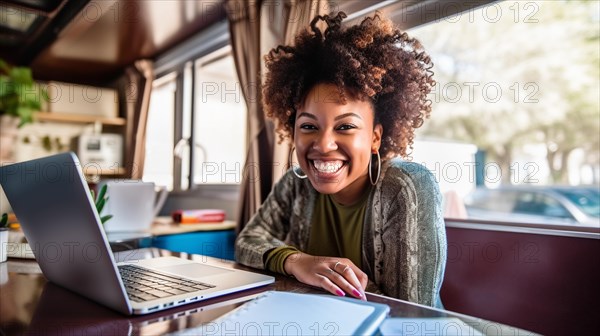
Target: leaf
<point>102,192</point>
<point>100,205</point>
<point>4,67</point>
<point>6,86</point>
<point>104,219</point>
<point>20,96</point>
<point>4,220</point>
<point>44,93</point>
<point>31,95</point>
<point>25,114</point>
<point>33,104</point>
<point>21,76</point>
<point>93,195</point>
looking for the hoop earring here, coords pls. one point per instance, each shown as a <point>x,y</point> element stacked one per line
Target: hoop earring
<point>292,166</point>
<point>378,168</point>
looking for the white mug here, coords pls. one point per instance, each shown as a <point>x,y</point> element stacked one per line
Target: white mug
<point>132,203</point>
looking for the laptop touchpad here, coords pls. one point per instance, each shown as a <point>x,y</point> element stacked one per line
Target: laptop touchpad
<point>193,270</point>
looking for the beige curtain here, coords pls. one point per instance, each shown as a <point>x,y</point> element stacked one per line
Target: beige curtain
<point>134,92</point>
<point>298,14</point>
<point>256,27</point>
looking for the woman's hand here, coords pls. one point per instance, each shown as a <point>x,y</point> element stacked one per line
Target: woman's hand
<point>336,275</point>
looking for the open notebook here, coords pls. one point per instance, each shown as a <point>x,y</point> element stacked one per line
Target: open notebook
<point>284,313</point>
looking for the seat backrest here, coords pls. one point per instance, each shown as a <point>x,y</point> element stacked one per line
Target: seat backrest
<point>538,279</point>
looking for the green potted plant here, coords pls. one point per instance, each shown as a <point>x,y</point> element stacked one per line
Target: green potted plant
<point>3,237</point>
<point>19,99</point>
<point>101,202</point>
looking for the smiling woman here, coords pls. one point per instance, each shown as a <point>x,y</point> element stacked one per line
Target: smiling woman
<point>334,142</point>
<point>353,218</point>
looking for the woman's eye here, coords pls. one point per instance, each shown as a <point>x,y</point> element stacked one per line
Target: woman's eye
<point>346,127</point>
<point>307,127</point>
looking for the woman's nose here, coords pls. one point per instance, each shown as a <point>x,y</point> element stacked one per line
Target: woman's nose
<point>325,142</point>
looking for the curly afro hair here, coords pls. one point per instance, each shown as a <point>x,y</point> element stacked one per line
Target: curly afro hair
<point>369,61</point>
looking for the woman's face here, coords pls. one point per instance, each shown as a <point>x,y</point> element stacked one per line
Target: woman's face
<point>334,142</point>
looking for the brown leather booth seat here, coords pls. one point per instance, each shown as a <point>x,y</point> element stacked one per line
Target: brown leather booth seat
<point>539,278</point>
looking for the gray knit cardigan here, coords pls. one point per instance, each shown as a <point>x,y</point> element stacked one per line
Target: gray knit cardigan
<point>404,238</point>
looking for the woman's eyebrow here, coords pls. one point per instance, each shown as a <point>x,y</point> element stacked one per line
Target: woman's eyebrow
<point>341,116</point>
<point>349,114</point>
<point>308,115</point>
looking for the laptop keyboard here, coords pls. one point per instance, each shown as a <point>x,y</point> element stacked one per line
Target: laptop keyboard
<point>143,284</point>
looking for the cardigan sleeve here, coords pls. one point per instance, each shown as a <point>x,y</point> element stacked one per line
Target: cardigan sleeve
<point>414,236</point>
<point>268,228</point>
<point>431,239</point>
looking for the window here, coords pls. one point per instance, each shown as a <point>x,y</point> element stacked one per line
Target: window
<point>158,166</point>
<point>492,200</point>
<point>200,102</point>
<point>219,121</point>
<point>517,82</point>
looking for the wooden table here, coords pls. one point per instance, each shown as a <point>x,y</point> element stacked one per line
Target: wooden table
<point>29,304</point>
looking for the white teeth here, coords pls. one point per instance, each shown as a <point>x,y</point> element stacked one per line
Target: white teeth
<point>328,166</point>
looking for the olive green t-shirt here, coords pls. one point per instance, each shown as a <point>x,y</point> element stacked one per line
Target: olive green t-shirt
<point>336,231</point>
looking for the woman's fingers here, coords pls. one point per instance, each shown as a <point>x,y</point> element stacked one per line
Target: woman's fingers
<point>336,275</point>
<point>345,283</point>
<point>345,277</point>
<point>361,276</point>
<point>328,285</point>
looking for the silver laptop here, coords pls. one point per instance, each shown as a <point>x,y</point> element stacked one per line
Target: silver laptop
<point>52,201</point>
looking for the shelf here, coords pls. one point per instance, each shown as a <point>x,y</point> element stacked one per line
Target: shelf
<point>77,118</point>
<point>95,171</point>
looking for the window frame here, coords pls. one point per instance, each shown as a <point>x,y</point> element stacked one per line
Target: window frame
<point>176,61</point>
